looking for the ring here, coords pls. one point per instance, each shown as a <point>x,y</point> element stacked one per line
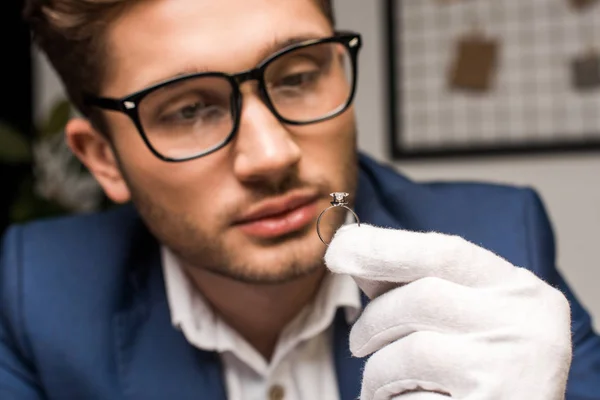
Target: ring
<point>339,201</point>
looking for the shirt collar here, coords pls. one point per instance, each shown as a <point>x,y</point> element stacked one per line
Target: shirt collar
<point>193,316</point>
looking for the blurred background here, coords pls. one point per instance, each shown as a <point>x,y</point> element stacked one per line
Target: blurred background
<point>478,90</point>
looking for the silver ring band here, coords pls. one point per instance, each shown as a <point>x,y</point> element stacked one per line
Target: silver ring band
<point>339,201</point>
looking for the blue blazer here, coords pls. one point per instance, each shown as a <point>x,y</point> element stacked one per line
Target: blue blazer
<point>84,313</point>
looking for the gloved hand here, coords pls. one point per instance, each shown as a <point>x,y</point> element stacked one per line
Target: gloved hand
<point>449,317</point>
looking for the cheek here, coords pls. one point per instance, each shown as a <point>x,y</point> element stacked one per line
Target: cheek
<point>330,145</point>
<point>180,187</point>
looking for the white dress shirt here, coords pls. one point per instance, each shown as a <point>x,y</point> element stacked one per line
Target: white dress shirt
<point>302,366</point>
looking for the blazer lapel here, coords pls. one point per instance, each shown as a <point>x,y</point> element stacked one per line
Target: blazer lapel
<point>369,208</point>
<point>154,359</point>
<point>348,368</point>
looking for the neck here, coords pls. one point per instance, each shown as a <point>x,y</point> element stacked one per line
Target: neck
<point>258,312</point>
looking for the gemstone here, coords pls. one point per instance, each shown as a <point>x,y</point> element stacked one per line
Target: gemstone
<point>339,198</point>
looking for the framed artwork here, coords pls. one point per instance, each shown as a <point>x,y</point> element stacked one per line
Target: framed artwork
<point>482,77</point>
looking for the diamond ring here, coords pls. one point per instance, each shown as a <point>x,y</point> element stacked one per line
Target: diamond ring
<point>339,200</point>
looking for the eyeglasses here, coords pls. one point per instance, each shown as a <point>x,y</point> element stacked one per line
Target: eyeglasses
<point>195,115</point>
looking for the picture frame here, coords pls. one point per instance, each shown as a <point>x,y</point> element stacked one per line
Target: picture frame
<point>518,114</point>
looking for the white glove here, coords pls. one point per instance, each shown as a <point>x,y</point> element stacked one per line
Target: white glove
<point>449,317</point>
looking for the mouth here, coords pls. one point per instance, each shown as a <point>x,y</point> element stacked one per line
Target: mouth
<point>279,216</point>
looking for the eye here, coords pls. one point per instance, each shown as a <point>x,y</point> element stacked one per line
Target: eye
<point>298,79</point>
<point>192,113</point>
<point>182,112</point>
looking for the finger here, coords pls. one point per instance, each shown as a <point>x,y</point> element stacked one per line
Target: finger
<point>421,396</point>
<point>427,304</point>
<point>387,255</point>
<point>427,361</point>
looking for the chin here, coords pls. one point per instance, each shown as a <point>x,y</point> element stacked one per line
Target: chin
<point>276,263</point>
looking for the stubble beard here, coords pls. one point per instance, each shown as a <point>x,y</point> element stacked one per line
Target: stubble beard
<point>276,261</point>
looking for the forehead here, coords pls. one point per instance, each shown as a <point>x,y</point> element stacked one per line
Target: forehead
<point>154,40</point>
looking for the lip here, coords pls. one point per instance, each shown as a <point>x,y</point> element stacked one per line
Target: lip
<point>279,216</point>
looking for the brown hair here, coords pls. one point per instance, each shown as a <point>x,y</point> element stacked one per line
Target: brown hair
<point>70,33</point>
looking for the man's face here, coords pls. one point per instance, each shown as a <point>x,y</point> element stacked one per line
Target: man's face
<point>248,210</point>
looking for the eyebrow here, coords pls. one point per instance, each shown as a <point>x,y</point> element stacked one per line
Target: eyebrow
<point>276,45</point>
<point>279,44</point>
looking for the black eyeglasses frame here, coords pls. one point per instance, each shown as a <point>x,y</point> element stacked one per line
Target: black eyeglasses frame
<point>129,104</point>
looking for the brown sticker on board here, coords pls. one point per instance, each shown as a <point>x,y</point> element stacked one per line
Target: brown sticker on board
<point>581,4</point>
<point>475,64</point>
<point>585,72</point>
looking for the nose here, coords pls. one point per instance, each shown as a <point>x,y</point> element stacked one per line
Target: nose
<point>264,149</point>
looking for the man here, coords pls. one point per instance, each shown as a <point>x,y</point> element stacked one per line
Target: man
<point>227,124</point>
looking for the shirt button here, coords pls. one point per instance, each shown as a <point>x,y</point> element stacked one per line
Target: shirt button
<point>276,392</point>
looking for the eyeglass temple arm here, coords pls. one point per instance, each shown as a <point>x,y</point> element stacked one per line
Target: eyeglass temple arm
<point>103,102</point>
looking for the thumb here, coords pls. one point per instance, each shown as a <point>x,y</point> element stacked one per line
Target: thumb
<point>380,258</point>
<point>338,260</point>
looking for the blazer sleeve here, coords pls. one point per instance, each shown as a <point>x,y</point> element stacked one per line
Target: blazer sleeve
<point>18,380</point>
<point>584,376</point>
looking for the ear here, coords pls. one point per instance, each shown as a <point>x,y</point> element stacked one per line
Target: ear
<point>95,152</point>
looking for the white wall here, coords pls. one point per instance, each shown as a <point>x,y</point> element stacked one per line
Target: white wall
<point>569,184</point>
